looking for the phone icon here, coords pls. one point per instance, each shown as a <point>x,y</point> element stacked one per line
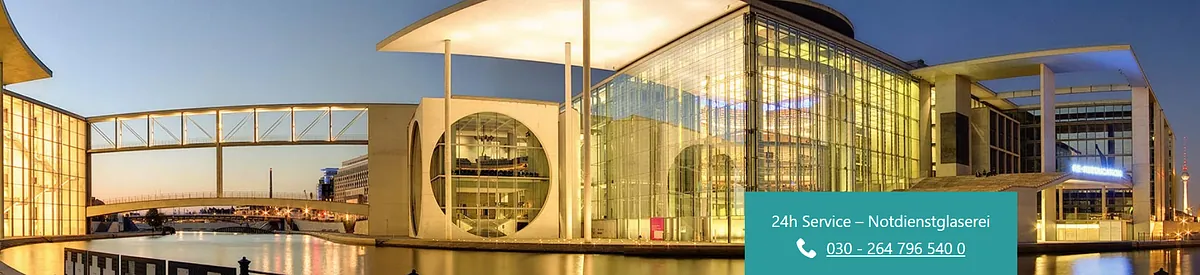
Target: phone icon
<point>807,253</point>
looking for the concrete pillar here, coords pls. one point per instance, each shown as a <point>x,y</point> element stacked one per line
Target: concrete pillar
<point>1027,215</point>
<point>1050,214</point>
<point>1050,204</point>
<point>1049,139</point>
<point>954,136</point>
<point>568,162</point>
<point>388,162</point>
<point>448,150</point>
<point>220,159</point>
<point>925,158</point>
<point>587,121</point>
<point>1061,215</point>
<point>1162,202</point>
<point>1142,209</point>
<point>1103,202</point>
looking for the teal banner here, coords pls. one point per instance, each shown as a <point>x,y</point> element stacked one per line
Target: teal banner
<point>881,233</point>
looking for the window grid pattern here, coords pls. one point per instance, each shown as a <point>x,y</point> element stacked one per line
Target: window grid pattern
<point>44,168</point>
<point>501,175</point>
<point>669,139</point>
<point>832,119</point>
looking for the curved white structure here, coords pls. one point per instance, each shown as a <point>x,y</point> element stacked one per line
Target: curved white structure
<point>541,118</point>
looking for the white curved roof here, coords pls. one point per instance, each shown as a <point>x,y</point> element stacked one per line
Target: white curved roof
<point>535,30</point>
<point>1119,58</point>
<point>20,64</point>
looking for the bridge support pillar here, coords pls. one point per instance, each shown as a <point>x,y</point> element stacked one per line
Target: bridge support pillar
<point>220,171</point>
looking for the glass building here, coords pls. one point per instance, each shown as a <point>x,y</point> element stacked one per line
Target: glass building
<point>1097,134</point>
<point>44,169</point>
<point>671,133</point>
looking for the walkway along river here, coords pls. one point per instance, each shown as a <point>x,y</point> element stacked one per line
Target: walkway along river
<point>302,254</point>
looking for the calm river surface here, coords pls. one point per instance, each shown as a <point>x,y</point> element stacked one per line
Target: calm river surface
<point>1174,261</point>
<point>302,254</point>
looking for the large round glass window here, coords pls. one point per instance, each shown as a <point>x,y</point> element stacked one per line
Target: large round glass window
<point>501,175</point>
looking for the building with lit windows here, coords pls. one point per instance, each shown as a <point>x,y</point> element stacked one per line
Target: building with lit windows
<point>709,99</point>
<point>671,129</point>
<point>1109,170</point>
<point>350,184</point>
<point>712,99</point>
<point>45,184</point>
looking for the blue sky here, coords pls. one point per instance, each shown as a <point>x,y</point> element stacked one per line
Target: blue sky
<point>127,56</point>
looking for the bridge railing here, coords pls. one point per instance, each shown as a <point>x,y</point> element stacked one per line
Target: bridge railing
<point>205,195</point>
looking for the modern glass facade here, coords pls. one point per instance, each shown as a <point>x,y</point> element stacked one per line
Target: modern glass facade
<point>44,170</point>
<point>501,175</point>
<point>671,131</point>
<point>1098,134</point>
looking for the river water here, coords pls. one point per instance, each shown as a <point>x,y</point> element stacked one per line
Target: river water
<point>1173,261</point>
<point>302,254</point>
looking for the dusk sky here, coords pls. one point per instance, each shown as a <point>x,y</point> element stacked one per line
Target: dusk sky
<point>127,56</point>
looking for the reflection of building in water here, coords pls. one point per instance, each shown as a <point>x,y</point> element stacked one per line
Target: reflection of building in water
<point>350,185</point>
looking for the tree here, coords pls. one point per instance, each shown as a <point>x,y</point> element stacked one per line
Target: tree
<point>154,218</point>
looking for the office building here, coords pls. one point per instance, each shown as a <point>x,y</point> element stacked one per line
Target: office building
<point>350,184</point>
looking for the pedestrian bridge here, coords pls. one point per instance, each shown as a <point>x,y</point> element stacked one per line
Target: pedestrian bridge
<point>285,200</point>
<point>229,126</point>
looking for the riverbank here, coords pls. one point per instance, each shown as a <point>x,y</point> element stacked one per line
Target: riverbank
<point>19,241</point>
<point>597,246</point>
<point>11,242</point>
<point>1062,248</point>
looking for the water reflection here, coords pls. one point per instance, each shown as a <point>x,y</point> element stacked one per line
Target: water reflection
<point>300,254</point>
<point>1174,261</point>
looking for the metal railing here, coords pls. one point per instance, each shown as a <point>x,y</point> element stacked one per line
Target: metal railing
<point>86,262</point>
<point>208,195</point>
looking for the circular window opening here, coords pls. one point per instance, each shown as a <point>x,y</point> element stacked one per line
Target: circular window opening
<point>500,175</point>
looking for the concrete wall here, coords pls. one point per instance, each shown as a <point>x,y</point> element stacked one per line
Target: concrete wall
<point>388,181</point>
<point>542,120</point>
<point>317,226</point>
<point>1141,161</point>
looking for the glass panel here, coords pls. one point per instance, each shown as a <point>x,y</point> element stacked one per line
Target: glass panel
<point>43,191</point>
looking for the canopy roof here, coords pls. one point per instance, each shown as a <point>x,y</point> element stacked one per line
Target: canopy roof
<point>622,31</point>
<point>1118,58</point>
<point>19,63</point>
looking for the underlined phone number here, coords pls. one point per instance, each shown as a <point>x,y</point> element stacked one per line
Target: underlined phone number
<point>955,249</point>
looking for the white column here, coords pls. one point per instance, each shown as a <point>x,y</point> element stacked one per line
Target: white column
<point>1141,161</point>
<point>568,131</point>
<point>954,125</point>
<point>587,121</point>
<point>1026,215</point>
<point>1103,202</point>
<point>1161,205</point>
<point>926,136</point>
<point>1049,139</point>
<point>1050,203</point>
<point>448,148</point>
